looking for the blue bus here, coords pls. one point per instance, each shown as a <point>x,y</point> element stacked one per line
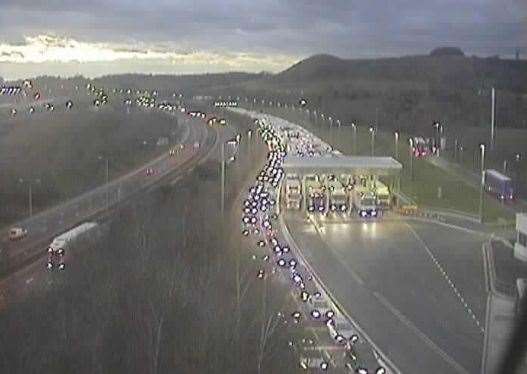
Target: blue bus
<point>499,184</point>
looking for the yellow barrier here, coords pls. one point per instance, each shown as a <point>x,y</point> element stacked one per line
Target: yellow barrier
<point>408,210</point>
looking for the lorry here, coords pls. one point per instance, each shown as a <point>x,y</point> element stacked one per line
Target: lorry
<point>17,233</point>
<point>365,203</point>
<point>64,242</point>
<point>315,194</point>
<point>338,196</point>
<point>293,192</point>
<point>498,184</point>
<point>383,194</point>
<point>423,147</point>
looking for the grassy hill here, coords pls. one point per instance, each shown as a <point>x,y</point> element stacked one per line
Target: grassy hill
<point>403,92</point>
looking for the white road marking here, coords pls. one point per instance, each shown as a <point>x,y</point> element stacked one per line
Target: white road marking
<point>447,278</point>
<point>416,330</point>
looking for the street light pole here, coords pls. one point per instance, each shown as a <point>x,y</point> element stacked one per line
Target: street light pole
<point>492,118</point>
<point>107,182</point>
<point>396,144</point>
<point>30,200</point>
<point>411,156</point>
<point>29,192</point>
<point>354,137</point>
<point>222,177</point>
<point>482,187</point>
<point>372,132</point>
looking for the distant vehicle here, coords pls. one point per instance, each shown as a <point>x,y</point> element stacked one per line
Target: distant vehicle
<point>149,172</point>
<point>196,145</point>
<point>293,192</point>
<point>423,147</point>
<point>17,233</point>
<point>499,184</point>
<point>365,204</point>
<point>222,121</point>
<point>62,243</point>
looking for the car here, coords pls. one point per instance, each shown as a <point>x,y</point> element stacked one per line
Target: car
<point>149,172</point>
<point>17,233</point>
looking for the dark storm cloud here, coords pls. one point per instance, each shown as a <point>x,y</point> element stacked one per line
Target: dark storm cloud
<point>344,27</point>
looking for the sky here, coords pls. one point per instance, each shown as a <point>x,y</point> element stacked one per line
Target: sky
<point>97,37</point>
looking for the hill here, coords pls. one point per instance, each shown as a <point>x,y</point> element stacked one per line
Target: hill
<point>401,92</point>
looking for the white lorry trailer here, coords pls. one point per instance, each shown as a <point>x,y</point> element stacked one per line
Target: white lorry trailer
<point>315,194</point>
<point>293,192</point>
<point>383,194</point>
<point>62,243</point>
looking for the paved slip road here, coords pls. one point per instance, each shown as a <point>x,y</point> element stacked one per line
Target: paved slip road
<point>416,288</point>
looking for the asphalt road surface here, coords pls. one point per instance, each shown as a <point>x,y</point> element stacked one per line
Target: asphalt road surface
<point>416,288</point>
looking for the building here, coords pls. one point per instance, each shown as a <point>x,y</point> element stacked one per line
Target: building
<point>520,247</point>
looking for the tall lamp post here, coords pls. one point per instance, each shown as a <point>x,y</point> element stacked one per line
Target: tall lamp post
<point>482,187</point>
<point>107,160</point>
<point>372,132</point>
<point>354,126</point>
<point>411,157</point>
<point>30,192</point>
<point>222,177</point>
<point>396,134</point>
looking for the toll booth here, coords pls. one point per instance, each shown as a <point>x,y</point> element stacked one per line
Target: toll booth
<point>356,170</point>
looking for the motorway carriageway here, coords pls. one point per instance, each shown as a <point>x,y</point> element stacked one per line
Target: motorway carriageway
<point>45,225</point>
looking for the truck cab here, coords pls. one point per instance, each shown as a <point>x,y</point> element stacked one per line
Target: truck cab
<point>338,196</point>
<point>293,192</point>
<point>365,204</point>
<point>56,252</point>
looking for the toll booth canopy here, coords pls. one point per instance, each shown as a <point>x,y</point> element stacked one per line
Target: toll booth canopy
<point>340,164</point>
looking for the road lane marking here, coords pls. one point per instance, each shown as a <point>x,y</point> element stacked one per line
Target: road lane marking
<point>352,272</point>
<point>415,329</point>
<point>447,278</point>
<point>450,225</point>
